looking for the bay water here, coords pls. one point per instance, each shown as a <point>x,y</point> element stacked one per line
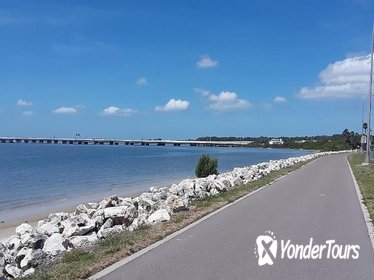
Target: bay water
<point>35,175</point>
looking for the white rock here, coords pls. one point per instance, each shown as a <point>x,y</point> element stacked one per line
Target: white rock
<point>93,205</point>
<point>55,244</point>
<point>24,228</point>
<point>13,243</point>
<point>48,229</point>
<point>119,212</point>
<point>110,231</point>
<point>81,208</point>
<point>29,272</point>
<point>78,225</point>
<point>13,271</point>
<point>25,238</point>
<point>57,217</point>
<point>220,186</point>
<point>41,222</point>
<point>175,203</point>
<point>25,255</point>
<point>160,215</point>
<point>80,241</point>
<point>106,202</point>
<point>108,224</point>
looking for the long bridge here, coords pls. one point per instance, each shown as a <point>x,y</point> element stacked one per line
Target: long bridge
<point>143,142</point>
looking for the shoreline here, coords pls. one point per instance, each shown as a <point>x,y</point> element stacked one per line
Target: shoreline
<point>11,218</point>
<point>67,205</point>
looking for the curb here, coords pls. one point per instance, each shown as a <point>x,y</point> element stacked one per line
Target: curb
<point>128,259</point>
<point>364,210</point>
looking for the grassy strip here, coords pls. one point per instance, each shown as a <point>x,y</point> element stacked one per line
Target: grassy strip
<point>81,263</point>
<point>364,175</point>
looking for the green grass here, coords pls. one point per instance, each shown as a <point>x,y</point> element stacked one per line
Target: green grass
<point>365,179</point>
<point>80,264</point>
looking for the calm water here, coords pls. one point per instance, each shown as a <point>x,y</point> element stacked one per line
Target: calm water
<point>32,174</point>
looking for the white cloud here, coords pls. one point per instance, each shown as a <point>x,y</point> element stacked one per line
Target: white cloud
<point>173,105</point>
<point>348,78</point>
<point>227,100</point>
<point>141,81</point>
<point>27,113</point>
<point>206,62</point>
<point>21,102</point>
<point>279,99</point>
<point>65,110</point>
<point>203,92</point>
<point>115,111</point>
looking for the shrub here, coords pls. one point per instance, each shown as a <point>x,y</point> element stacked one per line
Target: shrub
<point>206,166</point>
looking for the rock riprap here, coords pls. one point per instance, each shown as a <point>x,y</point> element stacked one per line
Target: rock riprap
<point>31,247</point>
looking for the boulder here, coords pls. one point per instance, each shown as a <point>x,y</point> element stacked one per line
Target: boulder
<point>108,224</point>
<point>78,225</point>
<point>36,241</point>
<point>23,258</point>
<point>108,202</point>
<point>176,203</point>
<point>160,215</point>
<point>23,229</point>
<point>145,202</point>
<point>9,257</point>
<point>13,243</point>
<point>121,214</point>
<point>29,272</point>
<point>220,186</point>
<point>58,217</point>
<point>93,205</point>
<point>110,231</point>
<point>55,244</point>
<point>125,201</point>
<point>12,271</point>
<point>41,222</point>
<point>99,221</point>
<point>2,248</point>
<point>80,241</point>
<point>48,229</point>
<point>98,213</point>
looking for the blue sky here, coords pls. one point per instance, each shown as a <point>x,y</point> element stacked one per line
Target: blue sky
<point>183,69</point>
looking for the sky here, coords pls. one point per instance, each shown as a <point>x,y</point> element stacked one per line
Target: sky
<point>183,69</point>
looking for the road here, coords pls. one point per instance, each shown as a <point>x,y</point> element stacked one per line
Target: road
<point>318,201</point>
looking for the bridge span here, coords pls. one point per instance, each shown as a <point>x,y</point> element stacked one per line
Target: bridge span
<point>103,141</point>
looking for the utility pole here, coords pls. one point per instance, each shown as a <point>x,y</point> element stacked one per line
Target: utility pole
<point>368,139</point>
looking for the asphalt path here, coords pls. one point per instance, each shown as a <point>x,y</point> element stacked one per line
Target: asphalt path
<point>317,201</point>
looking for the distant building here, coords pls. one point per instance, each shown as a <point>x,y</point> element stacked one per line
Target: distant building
<point>301,141</point>
<point>276,141</point>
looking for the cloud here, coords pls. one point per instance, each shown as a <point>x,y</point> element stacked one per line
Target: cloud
<point>206,62</point>
<point>348,78</point>
<point>173,105</point>
<point>279,99</point>
<point>65,110</point>
<point>203,92</point>
<point>115,111</point>
<point>141,81</point>
<point>21,103</point>
<point>226,101</point>
<point>27,113</point>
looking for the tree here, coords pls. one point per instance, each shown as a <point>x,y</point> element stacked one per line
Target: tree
<point>206,166</point>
